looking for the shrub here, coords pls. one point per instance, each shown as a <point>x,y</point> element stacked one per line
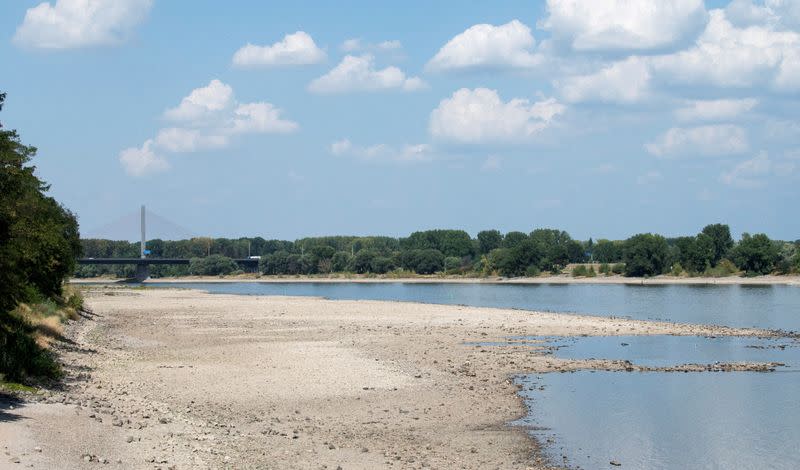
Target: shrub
<point>532,271</point>
<point>452,263</point>
<point>605,269</point>
<point>579,271</point>
<point>213,265</point>
<point>618,268</point>
<point>677,269</point>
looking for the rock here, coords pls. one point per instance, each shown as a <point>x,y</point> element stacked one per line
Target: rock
<point>615,463</point>
<point>129,439</point>
<point>117,423</point>
<point>163,420</point>
<point>14,459</point>
<point>87,458</point>
<point>37,449</point>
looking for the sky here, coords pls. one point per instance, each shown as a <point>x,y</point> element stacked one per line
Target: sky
<point>604,118</point>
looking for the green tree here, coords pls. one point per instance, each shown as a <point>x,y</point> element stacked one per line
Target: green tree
<point>755,254</point>
<point>213,265</point>
<point>488,240</point>
<point>607,251</point>
<point>720,235</point>
<point>645,254</point>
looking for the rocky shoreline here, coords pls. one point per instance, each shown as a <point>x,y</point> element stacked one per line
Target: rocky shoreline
<point>163,378</point>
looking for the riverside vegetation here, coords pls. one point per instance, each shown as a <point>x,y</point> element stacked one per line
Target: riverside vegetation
<point>39,243</point>
<point>712,252</point>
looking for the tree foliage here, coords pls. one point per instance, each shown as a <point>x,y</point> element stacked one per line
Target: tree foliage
<point>645,254</point>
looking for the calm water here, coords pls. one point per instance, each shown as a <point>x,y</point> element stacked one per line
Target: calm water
<point>642,420</point>
<point>774,307</point>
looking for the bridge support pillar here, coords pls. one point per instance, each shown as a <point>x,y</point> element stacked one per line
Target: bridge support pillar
<point>142,272</point>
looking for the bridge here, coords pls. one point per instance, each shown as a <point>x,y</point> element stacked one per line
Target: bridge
<point>143,263</point>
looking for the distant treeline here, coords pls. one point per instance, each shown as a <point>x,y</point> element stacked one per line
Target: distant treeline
<point>712,252</point>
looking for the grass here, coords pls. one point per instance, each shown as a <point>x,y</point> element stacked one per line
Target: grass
<point>28,332</point>
<point>16,387</point>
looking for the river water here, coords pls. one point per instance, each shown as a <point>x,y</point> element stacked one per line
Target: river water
<point>588,419</point>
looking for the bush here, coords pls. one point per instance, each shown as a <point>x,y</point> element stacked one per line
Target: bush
<point>213,265</point>
<point>677,269</point>
<point>605,269</point>
<point>724,268</point>
<point>532,271</point>
<point>618,268</point>
<point>452,263</point>
<point>579,271</point>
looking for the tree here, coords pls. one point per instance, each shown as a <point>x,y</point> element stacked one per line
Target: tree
<point>645,254</point>
<point>488,240</point>
<point>755,254</point>
<point>213,265</point>
<point>363,262</point>
<point>513,239</point>
<point>720,235</point>
<point>606,251</point>
<point>341,262</point>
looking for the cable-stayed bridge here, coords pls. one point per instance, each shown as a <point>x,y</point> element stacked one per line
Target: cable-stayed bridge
<point>141,218</point>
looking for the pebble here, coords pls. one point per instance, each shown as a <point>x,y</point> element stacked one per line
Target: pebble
<point>615,463</point>
<point>129,439</point>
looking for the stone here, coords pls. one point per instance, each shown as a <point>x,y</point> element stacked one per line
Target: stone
<point>615,463</point>
<point>129,439</point>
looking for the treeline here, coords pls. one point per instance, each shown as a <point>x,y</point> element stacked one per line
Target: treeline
<point>39,243</point>
<point>711,252</point>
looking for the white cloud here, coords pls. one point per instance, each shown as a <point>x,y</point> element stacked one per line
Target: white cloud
<point>648,178</point>
<point>728,56</point>
<point>624,24</point>
<point>357,45</point>
<point>295,49</point>
<point>781,13</point>
<point>260,118</point>
<point>382,152</point>
<point>479,115</point>
<point>488,46</point>
<point>202,102</point>
<point>627,81</point>
<point>715,110</point>
<point>358,73</point>
<point>178,139</point>
<point>80,23</point>
<point>724,139</point>
<point>749,173</point>
<point>209,119</point>
<point>492,163</point>
<point>142,161</point>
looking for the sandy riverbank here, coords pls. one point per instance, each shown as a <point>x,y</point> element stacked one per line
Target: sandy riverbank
<point>793,280</point>
<point>166,378</point>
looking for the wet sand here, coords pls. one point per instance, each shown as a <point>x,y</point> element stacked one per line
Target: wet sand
<point>169,378</point>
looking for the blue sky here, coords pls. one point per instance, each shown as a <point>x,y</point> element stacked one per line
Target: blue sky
<point>360,117</point>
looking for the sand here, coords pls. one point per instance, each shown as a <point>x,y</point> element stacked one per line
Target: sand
<point>169,378</point>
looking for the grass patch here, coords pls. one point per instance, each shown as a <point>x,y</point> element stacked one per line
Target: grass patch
<point>16,387</point>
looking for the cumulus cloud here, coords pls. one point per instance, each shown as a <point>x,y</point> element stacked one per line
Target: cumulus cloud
<point>479,115</point>
<point>716,140</point>
<point>358,73</point>
<point>208,118</point>
<point>749,173</point>
<point>780,13</point>
<point>487,46</point>
<point>357,45</point>
<point>382,152</point>
<point>178,140</point>
<point>715,110</point>
<point>627,81</point>
<point>639,25</point>
<point>141,161</point>
<point>729,56</point>
<point>295,49</point>
<point>202,102</point>
<point>73,24</point>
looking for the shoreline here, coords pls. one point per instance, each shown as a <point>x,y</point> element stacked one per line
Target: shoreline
<point>789,280</point>
<point>188,378</point>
